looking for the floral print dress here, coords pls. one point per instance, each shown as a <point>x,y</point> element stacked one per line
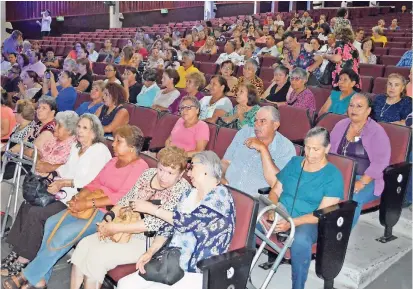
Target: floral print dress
<point>349,60</point>
<point>304,60</point>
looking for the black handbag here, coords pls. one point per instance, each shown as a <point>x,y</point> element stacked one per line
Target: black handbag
<point>327,77</point>
<point>35,190</point>
<point>221,123</point>
<point>164,267</point>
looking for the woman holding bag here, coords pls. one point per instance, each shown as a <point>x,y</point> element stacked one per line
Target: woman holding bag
<point>93,258</point>
<point>202,226</point>
<point>87,157</point>
<point>113,182</point>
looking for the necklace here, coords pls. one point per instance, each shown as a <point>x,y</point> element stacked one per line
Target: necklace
<point>347,142</point>
<point>383,110</point>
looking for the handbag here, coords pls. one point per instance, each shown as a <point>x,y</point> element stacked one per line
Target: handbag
<point>35,189</point>
<point>221,123</point>
<point>164,267</point>
<point>126,216</point>
<point>327,77</point>
<point>88,214</point>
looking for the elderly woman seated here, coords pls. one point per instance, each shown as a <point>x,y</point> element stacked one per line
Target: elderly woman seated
<point>208,209</point>
<point>149,89</point>
<point>306,184</point>
<point>87,157</point>
<point>189,133</point>
<point>249,76</point>
<point>165,97</point>
<point>96,96</point>
<point>244,112</point>
<point>155,60</point>
<point>393,106</point>
<point>279,89</point>
<point>195,81</point>
<point>93,258</point>
<point>339,99</point>
<point>113,114</point>
<point>115,179</point>
<point>301,96</point>
<point>358,137</point>
<point>217,104</point>
<point>226,69</point>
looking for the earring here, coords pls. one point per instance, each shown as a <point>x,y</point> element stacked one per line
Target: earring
<point>206,174</point>
<point>131,150</point>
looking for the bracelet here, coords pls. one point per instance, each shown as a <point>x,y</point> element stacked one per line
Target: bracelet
<point>94,204</point>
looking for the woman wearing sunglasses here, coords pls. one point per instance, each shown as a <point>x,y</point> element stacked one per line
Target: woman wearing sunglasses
<point>189,133</point>
<point>202,225</point>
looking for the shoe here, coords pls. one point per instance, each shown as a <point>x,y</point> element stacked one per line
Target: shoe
<point>14,269</point>
<point>6,262</point>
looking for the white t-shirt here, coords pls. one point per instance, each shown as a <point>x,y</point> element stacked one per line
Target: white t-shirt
<point>165,100</point>
<point>46,23</point>
<point>273,51</point>
<point>116,81</point>
<point>83,169</point>
<point>208,110</point>
<point>94,56</point>
<point>279,23</point>
<point>234,57</point>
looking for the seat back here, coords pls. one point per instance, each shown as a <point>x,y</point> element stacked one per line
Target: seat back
<point>295,122</point>
<point>81,98</point>
<point>405,71</point>
<point>329,120</point>
<point>163,130</point>
<point>400,141</point>
<point>144,118</point>
<point>213,129</point>
<point>374,70</point>
<point>347,167</point>
<point>299,150</point>
<point>246,208</point>
<point>380,85</point>
<point>321,95</point>
<point>223,140</point>
<point>152,163</point>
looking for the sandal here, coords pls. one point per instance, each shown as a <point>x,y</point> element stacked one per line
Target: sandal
<point>6,262</point>
<point>13,269</point>
<point>14,282</point>
<point>30,286</point>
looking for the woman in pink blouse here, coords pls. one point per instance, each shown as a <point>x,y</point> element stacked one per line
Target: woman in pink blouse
<point>301,96</point>
<point>115,180</point>
<point>189,133</point>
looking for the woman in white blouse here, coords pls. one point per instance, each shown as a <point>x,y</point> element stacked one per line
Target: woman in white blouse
<point>87,157</point>
<point>167,96</point>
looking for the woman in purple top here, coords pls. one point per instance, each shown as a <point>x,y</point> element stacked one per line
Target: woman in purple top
<point>195,81</point>
<point>364,140</point>
<point>301,96</point>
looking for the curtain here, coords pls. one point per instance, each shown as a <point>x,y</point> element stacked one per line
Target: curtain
<point>137,6</point>
<point>23,10</point>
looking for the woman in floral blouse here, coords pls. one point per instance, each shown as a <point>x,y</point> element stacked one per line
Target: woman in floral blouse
<point>301,96</point>
<point>249,76</point>
<point>98,253</point>
<point>202,226</point>
<point>246,109</point>
<point>345,56</point>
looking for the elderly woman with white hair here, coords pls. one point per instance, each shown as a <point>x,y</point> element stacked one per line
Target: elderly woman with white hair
<point>301,96</point>
<point>249,76</point>
<point>87,157</point>
<point>202,225</point>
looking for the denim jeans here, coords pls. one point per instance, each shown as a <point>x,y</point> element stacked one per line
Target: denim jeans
<point>364,196</point>
<point>304,238</point>
<point>42,266</point>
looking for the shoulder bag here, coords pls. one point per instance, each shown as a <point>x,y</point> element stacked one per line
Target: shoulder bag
<point>35,189</point>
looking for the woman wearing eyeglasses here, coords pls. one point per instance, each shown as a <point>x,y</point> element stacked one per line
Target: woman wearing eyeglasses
<point>112,74</point>
<point>189,133</point>
<point>202,225</point>
<point>301,96</point>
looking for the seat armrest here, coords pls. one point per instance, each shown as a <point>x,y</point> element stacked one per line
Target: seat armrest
<point>401,166</point>
<point>264,191</point>
<point>224,259</point>
<point>156,150</point>
<point>334,209</point>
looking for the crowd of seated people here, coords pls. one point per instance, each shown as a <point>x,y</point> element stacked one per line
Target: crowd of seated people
<point>39,105</point>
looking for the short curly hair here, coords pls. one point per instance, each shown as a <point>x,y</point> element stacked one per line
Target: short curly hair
<point>198,78</point>
<point>26,109</point>
<point>173,157</point>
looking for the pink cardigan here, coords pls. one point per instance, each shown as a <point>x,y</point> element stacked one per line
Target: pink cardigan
<point>116,183</point>
<point>375,142</point>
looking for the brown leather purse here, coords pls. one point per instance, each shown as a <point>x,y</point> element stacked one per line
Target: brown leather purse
<point>88,214</point>
<point>126,216</point>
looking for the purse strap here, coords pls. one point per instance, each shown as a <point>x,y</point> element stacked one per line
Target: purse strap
<point>49,240</point>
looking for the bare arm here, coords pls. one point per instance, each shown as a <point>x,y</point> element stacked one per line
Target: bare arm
<point>326,106</point>
<point>270,169</point>
<point>84,84</point>
<point>5,129</point>
<point>200,146</point>
<point>267,92</point>
<point>309,218</point>
<point>224,164</point>
<point>217,113</point>
<point>121,118</point>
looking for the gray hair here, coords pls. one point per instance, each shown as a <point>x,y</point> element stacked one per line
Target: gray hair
<point>96,127</point>
<point>68,119</point>
<point>27,45</point>
<point>275,114</point>
<point>212,161</point>
<point>71,62</point>
<point>49,100</point>
<point>301,73</point>
<point>190,54</point>
<point>93,45</point>
<point>319,131</point>
<point>194,101</point>
<point>253,62</point>
<point>150,74</point>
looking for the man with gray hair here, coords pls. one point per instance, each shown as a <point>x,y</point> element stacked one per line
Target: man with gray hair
<point>187,67</point>
<point>257,154</point>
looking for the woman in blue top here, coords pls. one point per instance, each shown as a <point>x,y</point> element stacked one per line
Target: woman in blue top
<point>304,185</point>
<point>339,99</point>
<point>202,225</point>
<point>149,89</point>
<point>64,93</point>
<point>96,96</point>
<point>393,106</point>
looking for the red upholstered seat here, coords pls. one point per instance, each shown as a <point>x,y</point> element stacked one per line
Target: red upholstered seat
<point>397,51</point>
<point>378,51</point>
<point>223,140</point>
<point>81,98</point>
<point>213,130</point>
<point>202,57</point>
<point>380,85</point>
<point>295,122</point>
<point>396,44</point>
<point>374,70</point>
<point>389,59</point>
<point>367,83</point>
<point>405,71</point>
<point>99,68</point>
<point>208,68</point>
<point>266,73</point>
<point>163,130</point>
<point>329,120</point>
<point>144,118</point>
<point>321,95</point>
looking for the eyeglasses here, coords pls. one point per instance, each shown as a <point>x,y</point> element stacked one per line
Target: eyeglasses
<point>186,107</point>
<point>109,70</point>
<point>294,78</point>
<point>190,165</point>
